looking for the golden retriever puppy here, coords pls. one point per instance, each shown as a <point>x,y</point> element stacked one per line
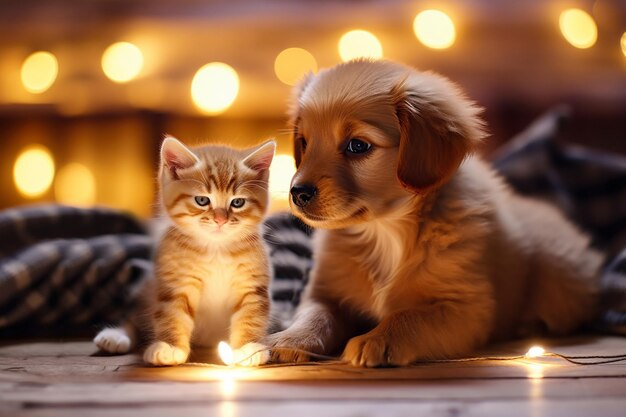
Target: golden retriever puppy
<point>424,252</point>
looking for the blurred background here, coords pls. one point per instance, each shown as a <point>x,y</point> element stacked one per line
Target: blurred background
<point>88,88</point>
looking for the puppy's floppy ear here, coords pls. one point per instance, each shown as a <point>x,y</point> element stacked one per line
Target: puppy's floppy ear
<point>294,114</point>
<point>439,127</point>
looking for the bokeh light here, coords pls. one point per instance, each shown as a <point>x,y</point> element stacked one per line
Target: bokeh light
<point>39,71</point>
<point>122,62</point>
<point>623,43</point>
<point>578,28</point>
<point>75,185</point>
<point>215,87</point>
<point>434,29</point>
<point>282,170</point>
<point>292,63</point>
<point>33,171</point>
<point>359,44</point>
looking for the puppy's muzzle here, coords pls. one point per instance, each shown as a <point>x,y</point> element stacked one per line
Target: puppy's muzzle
<point>301,195</point>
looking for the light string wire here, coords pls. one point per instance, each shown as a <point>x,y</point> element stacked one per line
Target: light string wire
<point>574,359</point>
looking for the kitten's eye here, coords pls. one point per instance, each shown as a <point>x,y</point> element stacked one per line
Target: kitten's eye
<point>237,202</point>
<point>202,200</point>
<point>358,146</point>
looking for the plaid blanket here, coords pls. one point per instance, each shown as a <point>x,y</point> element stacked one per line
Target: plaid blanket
<point>64,265</point>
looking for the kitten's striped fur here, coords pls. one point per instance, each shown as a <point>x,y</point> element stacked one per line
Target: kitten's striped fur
<point>212,270</point>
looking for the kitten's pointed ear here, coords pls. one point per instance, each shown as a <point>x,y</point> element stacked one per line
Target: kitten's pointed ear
<point>261,157</point>
<point>175,155</point>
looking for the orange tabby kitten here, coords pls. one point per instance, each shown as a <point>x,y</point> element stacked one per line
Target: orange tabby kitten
<point>212,268</point>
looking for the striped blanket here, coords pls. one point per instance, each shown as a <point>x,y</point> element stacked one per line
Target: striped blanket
<point>65,266</point>
<point>62,266</point>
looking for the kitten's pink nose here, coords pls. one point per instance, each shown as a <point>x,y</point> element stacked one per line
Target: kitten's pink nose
<point>221,217</point>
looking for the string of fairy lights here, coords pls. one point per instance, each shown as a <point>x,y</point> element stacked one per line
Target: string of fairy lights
<point>214,88</point>
<point>231,357</point>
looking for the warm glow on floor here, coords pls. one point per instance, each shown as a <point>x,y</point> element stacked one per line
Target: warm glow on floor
<point>75,185</point>
<point>39,71</point>
<point>434,29</point>
<point>33,171</point>
<point>122,62</point>
<point>215,87</point>
<point>228,386</point>
<point>227,409</point>
<point>534,370</point>
<point>578,28</point>
<point>359,44</point>
<point>292,63</point>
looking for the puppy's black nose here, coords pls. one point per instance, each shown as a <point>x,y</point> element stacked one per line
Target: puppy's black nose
<point>302,194</point>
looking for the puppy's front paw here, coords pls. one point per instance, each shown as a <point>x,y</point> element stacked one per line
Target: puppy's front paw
<point>252,354</point>
<point>290,347</point>
<point>163,354</point>
<point>372,350</point>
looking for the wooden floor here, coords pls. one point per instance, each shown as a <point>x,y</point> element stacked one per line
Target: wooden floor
<point>69,379</point>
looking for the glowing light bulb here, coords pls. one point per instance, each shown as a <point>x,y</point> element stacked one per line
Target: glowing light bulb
<point>226,353</point>
<point>33,171</point>
<point>292,63</point>
<point>282,170</point>
<point>214,87</point>
<point>434,29</point>
<point>535,352</point>
<point>75,185</point>
<point>122,62</point>
<point>578,28</point>
<point>39,71</point>
<point>359,44</point>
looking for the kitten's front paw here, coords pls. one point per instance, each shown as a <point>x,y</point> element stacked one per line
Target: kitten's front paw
<point>287,347</point>
<point>161,353</point>
<point>372,350</point>
<point>113,341</point>
<point>252,354</point>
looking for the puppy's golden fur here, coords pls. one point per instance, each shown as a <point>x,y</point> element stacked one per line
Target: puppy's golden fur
<point>424,252</point>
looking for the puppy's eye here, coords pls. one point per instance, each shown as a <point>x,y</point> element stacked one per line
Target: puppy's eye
<point>302,144</point>
<point>358,146</point>
<point>237,202</point>
<point>202,200</point>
